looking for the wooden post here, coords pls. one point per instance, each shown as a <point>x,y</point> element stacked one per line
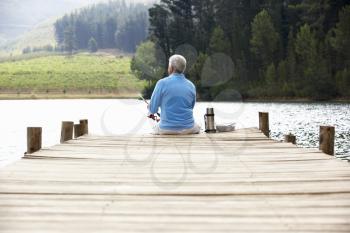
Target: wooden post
<point>77,131</point>
<point>264,123</point>
<point>34,139</point>
<point>67,131</point>
<point>290,138</point>
<point>327,134</point>
<point>84,127</point>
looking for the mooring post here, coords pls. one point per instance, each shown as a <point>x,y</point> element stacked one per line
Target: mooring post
<point>264,123</point>
<point>327,135</point>
<point>77,131</point>
<point>290,138</point>
<point>34,139</point>
<point>67,131</point>
<point>84,127</point>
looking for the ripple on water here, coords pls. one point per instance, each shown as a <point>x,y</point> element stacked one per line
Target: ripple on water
<point>300,119</point>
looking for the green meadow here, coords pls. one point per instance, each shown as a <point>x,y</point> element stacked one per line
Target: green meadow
<point>81,74</point>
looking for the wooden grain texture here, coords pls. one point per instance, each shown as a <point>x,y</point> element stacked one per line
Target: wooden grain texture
<point>77,131</point>
<point>67,131</point>
<point>264,124</point>
<point>327,137</point>
<point>232,182</point>
<point>290,138</point>
<point>34,139</point>
<point>84,127</point>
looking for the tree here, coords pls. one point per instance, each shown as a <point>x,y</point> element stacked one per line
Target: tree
<point>313,13</point>
<point>82,33</point>
<point>60,26</point>
<point>69,40</point>
<point>271,75</point>
<point>132,33</point>
<point>306,46</point>
<point>99,35</point>
<point>343,82</point>
<point>102,21</point>
<point>146,66</point>
<point>110,28</point>
<point>306,51</point>
<point>181,26</point>
<point>315,75</point>
<point>235,17</point>
<point>159,24</point>
<point>219,42</point>
<point>26,50</point>
<point>341,41</point>
<point>204,22</point>
<point>282,72</point>
<point>264,40</point>
<point>159,18</point>
<point>291,59</point>
<point>321,15</point>
<point>290,40</point>
<point>93,47</point>
<point>332,13</point>
<point>195,74</point>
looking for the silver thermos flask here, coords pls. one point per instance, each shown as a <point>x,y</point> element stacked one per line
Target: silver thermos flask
<point>209,120</point>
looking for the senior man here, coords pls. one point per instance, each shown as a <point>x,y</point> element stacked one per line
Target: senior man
<point>176,97</point>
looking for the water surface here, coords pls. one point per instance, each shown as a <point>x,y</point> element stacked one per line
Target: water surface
<point>110,117</point>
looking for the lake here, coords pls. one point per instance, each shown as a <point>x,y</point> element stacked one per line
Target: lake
<point>115,117</point>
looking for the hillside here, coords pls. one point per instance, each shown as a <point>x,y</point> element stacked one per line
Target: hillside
<point>2,40</point>
<point>30,23</point>
<point>81,75</point>
<point>43,34</point>
<point>18,17</point>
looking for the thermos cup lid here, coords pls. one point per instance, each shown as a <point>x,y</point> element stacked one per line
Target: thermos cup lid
<point>210,111</point>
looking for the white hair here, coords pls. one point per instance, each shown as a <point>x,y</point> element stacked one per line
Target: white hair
<point>178,62</point>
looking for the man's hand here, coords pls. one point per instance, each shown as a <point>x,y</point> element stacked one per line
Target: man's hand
<point>153,117</point>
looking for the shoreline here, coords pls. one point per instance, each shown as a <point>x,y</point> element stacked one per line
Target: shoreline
<point>294,100</point>
<point>67,96</point>
<point>136,96</point>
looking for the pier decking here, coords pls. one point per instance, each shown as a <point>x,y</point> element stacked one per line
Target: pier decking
<point>232,182</point>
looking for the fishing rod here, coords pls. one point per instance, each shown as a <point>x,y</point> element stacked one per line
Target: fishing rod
<point>143,99</point>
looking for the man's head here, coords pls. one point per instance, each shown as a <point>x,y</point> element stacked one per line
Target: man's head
<point>177,64</point>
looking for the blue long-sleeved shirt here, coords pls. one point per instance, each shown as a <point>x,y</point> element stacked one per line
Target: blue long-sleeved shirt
<point>176,97</point>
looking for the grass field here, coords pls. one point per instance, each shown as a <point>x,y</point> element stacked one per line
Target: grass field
<point>81,75</point>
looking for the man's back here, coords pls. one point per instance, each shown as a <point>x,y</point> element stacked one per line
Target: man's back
<point>176,96</point>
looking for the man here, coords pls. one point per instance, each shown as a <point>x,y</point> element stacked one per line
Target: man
<point>176,97</point>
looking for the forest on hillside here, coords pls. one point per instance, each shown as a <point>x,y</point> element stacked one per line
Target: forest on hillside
<point>18,16</point>
<point>258,48</point>
<point>115,24</point>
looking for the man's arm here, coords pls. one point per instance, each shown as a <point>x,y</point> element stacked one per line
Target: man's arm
<point>156,99</point>
<point>195,97</point>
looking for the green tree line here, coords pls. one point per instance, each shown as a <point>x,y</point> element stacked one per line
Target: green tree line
<point>35,49</point>
<point>278,48</point>
<point>114,24</point>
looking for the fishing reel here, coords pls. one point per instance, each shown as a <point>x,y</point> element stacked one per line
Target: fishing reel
<point>154,117</point>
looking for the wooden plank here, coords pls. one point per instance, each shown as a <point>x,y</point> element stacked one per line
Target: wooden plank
<point>232,182</point>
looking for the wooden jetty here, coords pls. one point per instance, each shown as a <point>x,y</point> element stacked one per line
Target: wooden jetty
<point>231,182</point>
